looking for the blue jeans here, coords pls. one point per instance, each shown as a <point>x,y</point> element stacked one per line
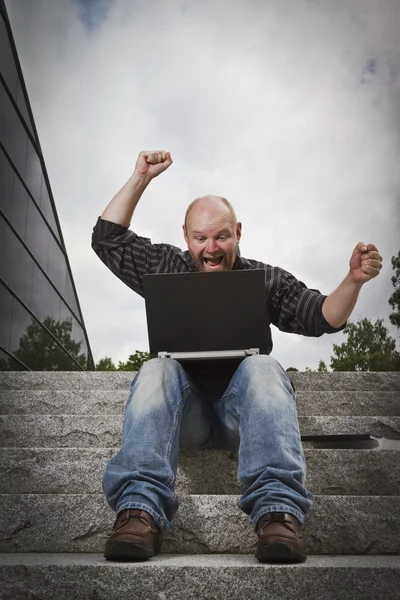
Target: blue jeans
<point>256,416</point>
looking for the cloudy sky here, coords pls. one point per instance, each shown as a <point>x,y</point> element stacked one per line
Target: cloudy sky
<point>289,109</point>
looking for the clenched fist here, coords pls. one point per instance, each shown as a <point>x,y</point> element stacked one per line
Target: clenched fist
<point>153,162</point>
<point>365,262</point>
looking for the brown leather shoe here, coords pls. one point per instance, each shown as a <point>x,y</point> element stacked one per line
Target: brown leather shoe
<point>280,538</point>
<point>135,536</point>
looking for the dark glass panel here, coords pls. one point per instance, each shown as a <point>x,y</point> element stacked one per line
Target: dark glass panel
<point>12,133</point>
<point>7,63</point>
<point>8,250</point>
<point>17,267</point>
<point>5,316</point>
<point>56,265</point>
<point>6,184</point>
<point>23,108</point>
<point>45,300</point>
<point>19,207</point>
<point>35,347</point>
<point>47,209</point>
<point>37,235</point>
<point>78,336</point>
<point>75,340</point>
<point>70,295</point>
<point>9,364</point>
<point>21,320</point>
<point>33,172</point>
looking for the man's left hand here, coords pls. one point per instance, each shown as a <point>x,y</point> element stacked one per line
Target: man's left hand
<point>365,262</point>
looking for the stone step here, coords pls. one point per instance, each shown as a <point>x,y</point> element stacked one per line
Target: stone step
<point>203,524</point>
<point>80,470</point>
<point>198,577</point>
<point>43,431</point>
<point>112,402</point>
<point>97,380</point>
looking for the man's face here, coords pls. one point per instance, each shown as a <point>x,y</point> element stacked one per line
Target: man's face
<point>212,237</point>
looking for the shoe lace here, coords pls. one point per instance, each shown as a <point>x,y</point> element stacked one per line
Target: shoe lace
<point>130,516</point>
<point>139,516</point>
<point>281,518</point>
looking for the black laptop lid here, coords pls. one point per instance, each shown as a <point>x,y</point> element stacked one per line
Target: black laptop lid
<point>194,312</point>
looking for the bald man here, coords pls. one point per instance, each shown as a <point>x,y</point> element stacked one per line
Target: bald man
<point>250,410</point>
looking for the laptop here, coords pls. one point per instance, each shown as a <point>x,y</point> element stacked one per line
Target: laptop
<point>205,316</point>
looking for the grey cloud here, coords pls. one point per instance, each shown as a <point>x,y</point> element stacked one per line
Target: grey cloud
<point>267,110</point>
<point>93,13</point>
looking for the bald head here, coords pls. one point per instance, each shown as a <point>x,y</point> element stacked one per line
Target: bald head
<point>212,204</point>
<point>212,233</point>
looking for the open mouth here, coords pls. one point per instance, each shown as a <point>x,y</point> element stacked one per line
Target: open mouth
<point>213,262</point>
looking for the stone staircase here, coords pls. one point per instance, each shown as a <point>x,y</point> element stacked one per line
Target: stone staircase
<point>57,432</point>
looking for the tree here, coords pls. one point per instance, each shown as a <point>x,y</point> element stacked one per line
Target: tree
<point>322,368</point>
<point>134,362</point>
<point>368,348</point>
<point>40,352</point>
<point>292,369</point>
<point>394,299</point>
<point>105,364</point>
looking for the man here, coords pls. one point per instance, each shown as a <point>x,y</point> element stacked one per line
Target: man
<point>169,407</point>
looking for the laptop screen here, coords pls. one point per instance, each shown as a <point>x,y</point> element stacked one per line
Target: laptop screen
<point>195,312</point>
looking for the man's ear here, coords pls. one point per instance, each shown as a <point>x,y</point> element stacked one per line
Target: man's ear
<point>185,234</point>
<point>238,231</point>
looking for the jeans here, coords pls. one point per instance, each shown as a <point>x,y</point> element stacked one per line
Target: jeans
<point>256,416</point>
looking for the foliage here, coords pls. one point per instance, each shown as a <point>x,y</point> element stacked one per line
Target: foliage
<point>105,364</point>
<point>292,369</point>
<point>322,368</point>
<point>394,299</point>
<point>40,352</point>
<point>368,348</point>
<point>134,362</point>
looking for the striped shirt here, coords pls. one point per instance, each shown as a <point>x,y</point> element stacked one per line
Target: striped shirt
<point>291,306</point>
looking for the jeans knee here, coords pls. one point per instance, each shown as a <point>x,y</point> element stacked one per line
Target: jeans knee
<point>159,368</point>
<point>263,377</point>
<point>155,381</point>
<point>261,364</point>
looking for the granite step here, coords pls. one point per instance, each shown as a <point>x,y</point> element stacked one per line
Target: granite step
<point>112,402</point>
<point>80,470</point>
<point>98,380</point>
<point>204,524</point>
<point>61,431</point>
<point>194,577</point>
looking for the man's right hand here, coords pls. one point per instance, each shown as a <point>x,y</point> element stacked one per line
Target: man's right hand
<point>153,162</point>
<point>148,165</point>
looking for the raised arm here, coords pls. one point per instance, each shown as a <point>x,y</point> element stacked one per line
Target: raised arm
<point>148,165</point>
<point>365,264</point>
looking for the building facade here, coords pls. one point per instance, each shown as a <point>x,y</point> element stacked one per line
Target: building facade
<point>41,323</point>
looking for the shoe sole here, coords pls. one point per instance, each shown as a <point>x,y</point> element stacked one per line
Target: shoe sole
<point>278,551</point>
<point>121,550</point>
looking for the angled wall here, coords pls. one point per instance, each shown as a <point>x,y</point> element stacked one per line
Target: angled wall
<point>41,323</point>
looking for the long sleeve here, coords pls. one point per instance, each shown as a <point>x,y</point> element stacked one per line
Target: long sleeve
<point>296,308</point>
<point>130,256</point>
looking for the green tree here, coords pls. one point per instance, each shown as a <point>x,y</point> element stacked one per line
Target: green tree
<point>40,352</point>
<point>394,299</point>
<point>369,347</point>
<point>134,362</point>
<point>292,369</point>
<point>105,364</point>
<point>322,368</point>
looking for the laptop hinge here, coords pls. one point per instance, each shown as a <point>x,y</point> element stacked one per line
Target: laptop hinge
<point>209,354</point>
